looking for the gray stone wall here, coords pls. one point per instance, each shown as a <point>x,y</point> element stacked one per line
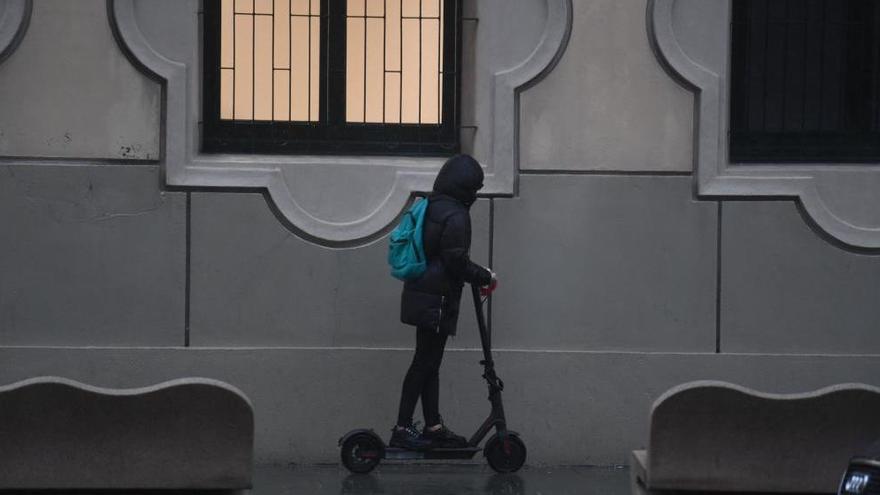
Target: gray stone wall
<point>68,90</point>
<point>91,255</point>
<point>608,105</point>
<point>617,282</point>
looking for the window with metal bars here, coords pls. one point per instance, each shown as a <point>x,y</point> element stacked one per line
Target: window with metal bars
<point>331,76</point>
<point>805,81</point>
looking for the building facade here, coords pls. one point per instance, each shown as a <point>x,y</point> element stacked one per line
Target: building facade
<point>633,254</point>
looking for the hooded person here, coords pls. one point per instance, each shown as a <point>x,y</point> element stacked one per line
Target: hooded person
<point>431,302</point>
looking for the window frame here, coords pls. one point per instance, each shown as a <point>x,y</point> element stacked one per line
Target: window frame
<point>691,41</point>
<point>331,134</point>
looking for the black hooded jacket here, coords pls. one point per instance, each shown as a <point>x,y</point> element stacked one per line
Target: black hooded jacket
<point>433,300</point>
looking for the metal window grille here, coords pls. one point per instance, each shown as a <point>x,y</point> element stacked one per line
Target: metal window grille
<point>331,76</point>
<point>805,81</point>
<point>394,61</point>
<point>270,60</point>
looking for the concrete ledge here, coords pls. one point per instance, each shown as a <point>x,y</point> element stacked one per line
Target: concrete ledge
<point>638,472</point>
<point>716,436</point>
<point>555,399</point>
<point>190,433</point>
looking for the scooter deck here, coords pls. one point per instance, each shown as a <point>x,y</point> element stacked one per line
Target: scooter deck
<point>404,454</point>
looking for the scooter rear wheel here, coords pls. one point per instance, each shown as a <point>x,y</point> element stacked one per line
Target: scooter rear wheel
<point>505,456</point>
<point>362,452</point>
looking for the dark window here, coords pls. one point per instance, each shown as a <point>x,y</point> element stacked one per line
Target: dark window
<point>331,76</point>
<point>805,81</point>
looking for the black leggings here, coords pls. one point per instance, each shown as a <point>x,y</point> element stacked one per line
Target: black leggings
<point>423,378</point>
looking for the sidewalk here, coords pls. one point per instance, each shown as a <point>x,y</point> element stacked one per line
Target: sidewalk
<point>439,479</point>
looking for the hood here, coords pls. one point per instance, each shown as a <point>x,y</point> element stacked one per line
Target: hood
<point>461,177</point>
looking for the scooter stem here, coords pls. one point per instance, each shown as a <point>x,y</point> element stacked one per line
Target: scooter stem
<point>488,363</point>
<point>496,416</point>
<point>481,323</point>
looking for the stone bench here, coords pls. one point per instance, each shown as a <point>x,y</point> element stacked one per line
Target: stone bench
<point>716,436</point>
<point>183,434</point>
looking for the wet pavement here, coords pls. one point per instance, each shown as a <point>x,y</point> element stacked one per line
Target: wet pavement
<point>439,479</point>
<point>406,479</point>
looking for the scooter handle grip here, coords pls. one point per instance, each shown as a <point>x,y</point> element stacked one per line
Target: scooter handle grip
<point>489,289</point>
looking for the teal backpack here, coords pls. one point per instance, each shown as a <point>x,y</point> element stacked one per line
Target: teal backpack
<point>406,252</point>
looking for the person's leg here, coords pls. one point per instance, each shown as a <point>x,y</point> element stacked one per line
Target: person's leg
<point>404,434</point>
<point>431,387</point>
<point>435,432</point>
<point>414,381</point>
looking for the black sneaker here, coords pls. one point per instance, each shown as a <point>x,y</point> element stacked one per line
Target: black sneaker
<point>408,437</point>
<point>444,438</point>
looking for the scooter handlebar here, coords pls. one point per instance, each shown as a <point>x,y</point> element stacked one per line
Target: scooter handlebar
<point>487,290</point>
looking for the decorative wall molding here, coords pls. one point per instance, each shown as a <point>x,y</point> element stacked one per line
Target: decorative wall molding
<point>842,199</point>
<point>346,222</point>
<point>510,83</point>
<point>15,16</point>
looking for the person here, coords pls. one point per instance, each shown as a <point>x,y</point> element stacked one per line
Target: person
<point>431,301</point>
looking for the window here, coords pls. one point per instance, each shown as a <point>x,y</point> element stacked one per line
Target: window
<point>805,81</point>
<point>331,76</point>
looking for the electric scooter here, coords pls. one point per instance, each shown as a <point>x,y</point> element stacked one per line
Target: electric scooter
<point>363,449</point>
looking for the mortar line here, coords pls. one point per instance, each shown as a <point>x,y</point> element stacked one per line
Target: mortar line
<point>187,283</point>
<point>491,259</point>
<point>48,161</point>
<point>718,279</point>
<point>650,173</point>
<point>453,349</point>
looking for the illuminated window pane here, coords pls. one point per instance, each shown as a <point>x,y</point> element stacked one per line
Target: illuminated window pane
<point>394,64</point>
<point>270,60</point>
<point>331,76</point>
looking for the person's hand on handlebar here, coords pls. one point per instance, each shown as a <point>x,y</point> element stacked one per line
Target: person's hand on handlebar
<point>487,290</point>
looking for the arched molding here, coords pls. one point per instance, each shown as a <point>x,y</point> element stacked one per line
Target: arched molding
<point>823,189</point>
<point>186,166</point>
<point>15,16</point>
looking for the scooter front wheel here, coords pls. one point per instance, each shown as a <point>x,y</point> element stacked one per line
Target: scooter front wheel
<point>505,456</point>
<point>362,452</point>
